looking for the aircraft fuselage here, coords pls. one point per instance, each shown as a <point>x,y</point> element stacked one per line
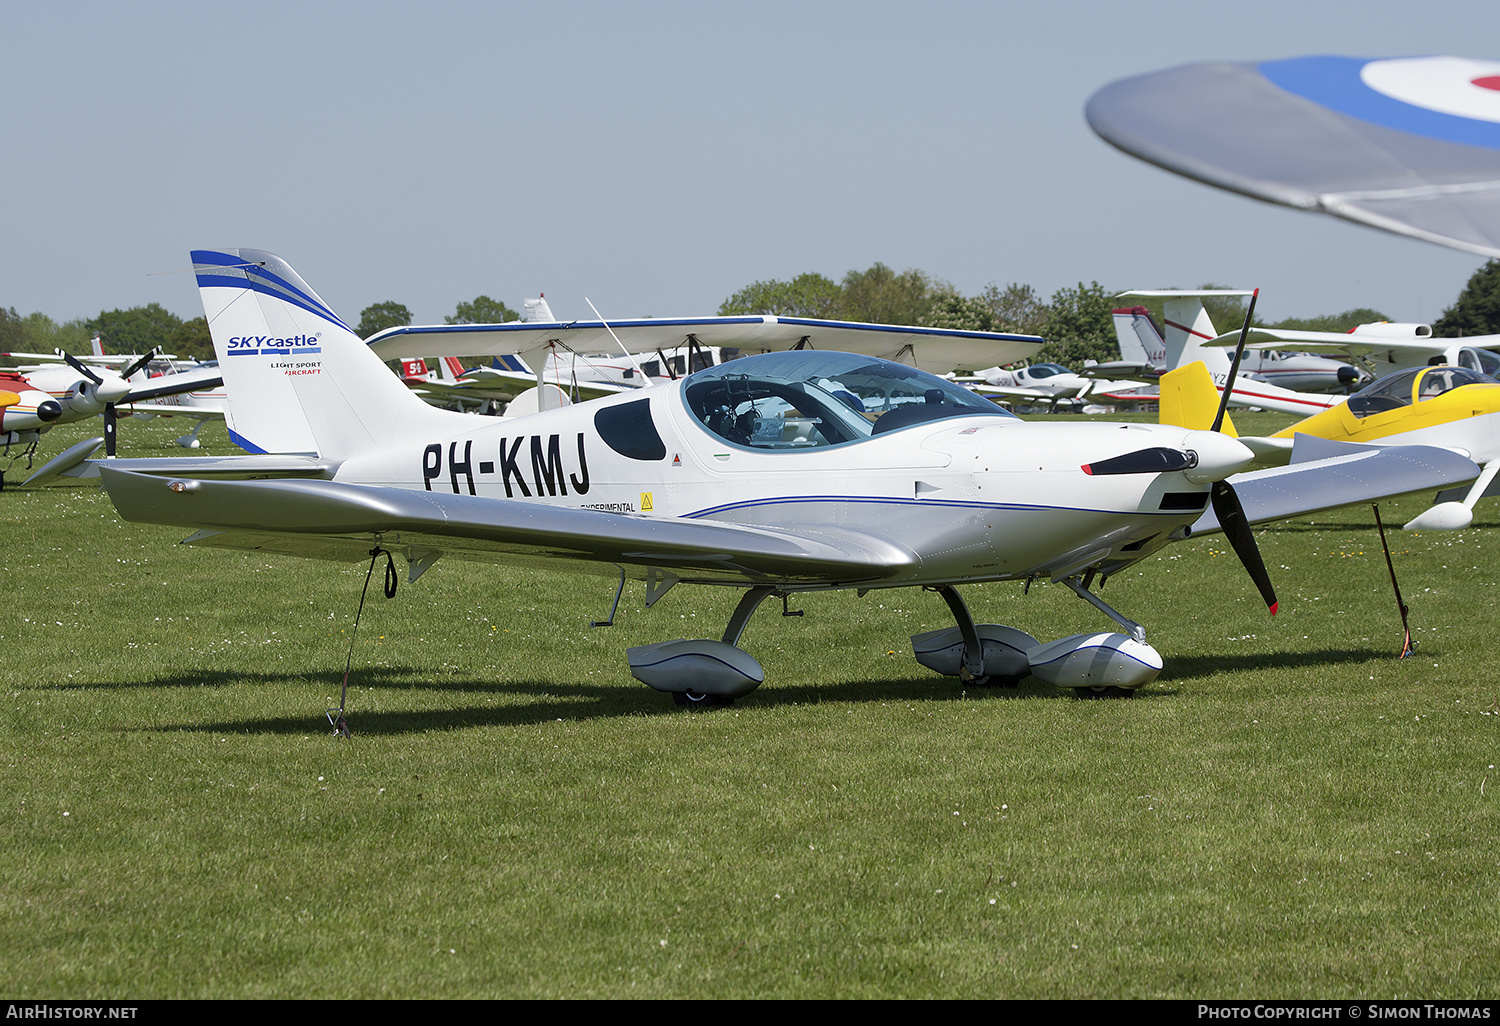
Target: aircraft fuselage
<point>976,497</point>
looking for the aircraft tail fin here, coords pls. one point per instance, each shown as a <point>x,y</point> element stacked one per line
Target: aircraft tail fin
<point>1189,399</point>
<point>1187,325</point>
<point>1140,341</point>
<point>537,310</point>
<point>298,378</point>
<point>450,369</point>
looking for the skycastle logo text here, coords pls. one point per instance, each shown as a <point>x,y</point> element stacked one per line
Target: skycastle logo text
<point>259,345</point>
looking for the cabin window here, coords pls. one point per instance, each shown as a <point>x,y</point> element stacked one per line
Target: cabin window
<point>629,430</point>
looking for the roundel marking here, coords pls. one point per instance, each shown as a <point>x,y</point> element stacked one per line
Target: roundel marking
<point>1452,99</point>
<point>1443,84</point>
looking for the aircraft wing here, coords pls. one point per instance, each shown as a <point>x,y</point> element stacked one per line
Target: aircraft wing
<point>157,409</point>
<point>1352,343</point>
<point>324,519</point>
<point>75,463</point>
<point>1325,474</point>
<point>199,379</point>
<point>1127,396</point>
<point>1410,145</point>
<point>1010,392</point>
<point>932,349</point>
<point>49,359</point>
<point>1117,369</point>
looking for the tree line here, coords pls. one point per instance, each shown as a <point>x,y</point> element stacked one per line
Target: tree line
<point>1076,321</point>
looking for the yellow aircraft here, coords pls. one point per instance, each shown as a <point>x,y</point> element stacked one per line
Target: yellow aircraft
<point>1452,407</point>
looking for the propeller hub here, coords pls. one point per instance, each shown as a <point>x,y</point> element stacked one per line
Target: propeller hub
<point>112,389</point>
<point>1218,456</point>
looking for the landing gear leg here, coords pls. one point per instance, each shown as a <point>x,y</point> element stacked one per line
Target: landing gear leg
<point>971,670</point>
<point>742,613</point>
<point>1135,630</point>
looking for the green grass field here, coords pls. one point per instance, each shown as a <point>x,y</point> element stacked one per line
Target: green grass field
<point>1288,811</point>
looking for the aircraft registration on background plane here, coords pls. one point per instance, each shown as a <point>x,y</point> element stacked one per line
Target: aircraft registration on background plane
<point>782,473</point>
<point>1143,350</point>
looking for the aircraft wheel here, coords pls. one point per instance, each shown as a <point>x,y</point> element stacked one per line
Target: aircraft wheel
<point>693,700</point>
<point>993,681</point>
<point>1104,692</point>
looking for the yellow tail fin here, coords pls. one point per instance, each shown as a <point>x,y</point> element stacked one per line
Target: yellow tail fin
<point>1189,399</point>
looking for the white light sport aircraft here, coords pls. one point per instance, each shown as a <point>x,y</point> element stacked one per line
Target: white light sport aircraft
<point>788,472</point>
<point>1050,383</point>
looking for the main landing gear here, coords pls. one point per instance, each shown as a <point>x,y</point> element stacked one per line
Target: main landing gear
<point>706,674</point>
<point>1109,665</point>
<point>703,674</point>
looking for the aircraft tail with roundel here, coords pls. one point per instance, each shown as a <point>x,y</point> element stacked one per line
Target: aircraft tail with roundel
<point>299,380</point>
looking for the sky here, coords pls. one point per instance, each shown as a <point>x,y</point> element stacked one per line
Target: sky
<point>656,157</point>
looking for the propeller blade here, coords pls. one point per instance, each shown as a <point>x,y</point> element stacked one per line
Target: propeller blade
<point>110,422</point>
<point>76,364</point>
<point>1237,529</point>
<point>1234,368</point>
<point>1156,460</point>
<point>134,367</point>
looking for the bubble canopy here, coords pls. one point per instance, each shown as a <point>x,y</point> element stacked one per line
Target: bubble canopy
<point>1403,388</point>
<point>805,399</point>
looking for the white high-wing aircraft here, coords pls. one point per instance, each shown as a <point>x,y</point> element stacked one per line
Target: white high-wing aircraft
<point>787,472</point>
<point>932,349</point>
<point>1142,345</point>
<point>1146,353</point>
<point>1384,347</point>
<point>1189,329</point>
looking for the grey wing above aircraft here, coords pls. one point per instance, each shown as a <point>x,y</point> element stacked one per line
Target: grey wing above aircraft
<point>1407,144</point>
<point>937,350</point>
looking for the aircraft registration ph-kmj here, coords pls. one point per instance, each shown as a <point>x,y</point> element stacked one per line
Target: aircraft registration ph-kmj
<point>780,473</point>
